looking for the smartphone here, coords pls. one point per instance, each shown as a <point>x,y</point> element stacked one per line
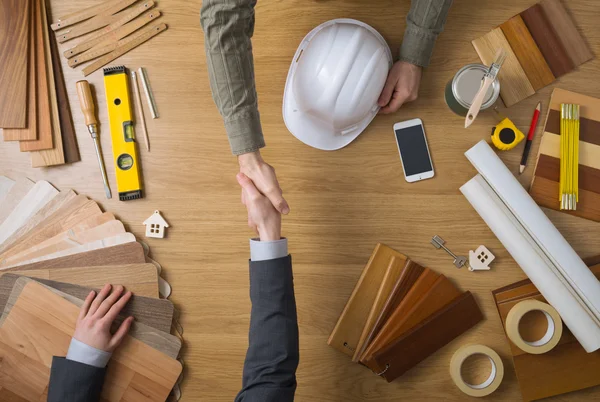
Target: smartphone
<point>413,149</point>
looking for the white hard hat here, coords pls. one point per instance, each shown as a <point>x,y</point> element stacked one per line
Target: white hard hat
<point>335,79</point>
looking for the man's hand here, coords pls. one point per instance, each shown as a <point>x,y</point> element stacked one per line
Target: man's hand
<point>97,315</point>
<point>263,176</point>
<point>402,86</point>
<point>262,216</point>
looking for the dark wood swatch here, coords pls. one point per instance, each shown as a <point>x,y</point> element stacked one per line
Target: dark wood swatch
<point>531,59</point>
<point>593,260</point>
<point>589,130</point>
<point>429,336</point>
<point>545,194</point>
<point>14,49</point>
<point>547,40</point>
<point>549,168</point>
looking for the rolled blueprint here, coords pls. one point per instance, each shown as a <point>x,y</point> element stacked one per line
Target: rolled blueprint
<point>535,244</point>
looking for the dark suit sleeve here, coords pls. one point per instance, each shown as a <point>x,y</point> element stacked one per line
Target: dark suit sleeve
<point>272,357</point>
<point>71,381</point>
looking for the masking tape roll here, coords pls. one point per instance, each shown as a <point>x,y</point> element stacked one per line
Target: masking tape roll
<point>486,387</point>
<point>553,333</point>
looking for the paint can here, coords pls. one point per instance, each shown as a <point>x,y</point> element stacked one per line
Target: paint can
<point>465,84</point>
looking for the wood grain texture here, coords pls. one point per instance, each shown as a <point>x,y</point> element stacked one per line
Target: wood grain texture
<point>574,44</point>
<point>545,191</point>
<point>549,168</point>
<point>342,202</point>
<point>136,371</point>
<point>5,186</point>
<point>14,50</point>
<point>588,129</point>
<point>140,279</point>
<point>527,52</point>
<point>387,285</point>
<point>430,335</point>
<point>154,315</point>
<point>514,84</point>
<point>16,194</point>
<point>348,329</point>
<point>54,156</point>
<point>44,121</point>
<point>425,282</point>
<point>547,40</point>
<point>30,131</point>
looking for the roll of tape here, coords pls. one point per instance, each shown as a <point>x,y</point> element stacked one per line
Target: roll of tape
<point>486,387</point>
<point>553,333</point>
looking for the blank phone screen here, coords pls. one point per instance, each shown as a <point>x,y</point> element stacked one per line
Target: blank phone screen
<point>413,149</point>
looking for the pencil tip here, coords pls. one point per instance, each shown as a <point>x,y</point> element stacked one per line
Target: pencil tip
<point>539,106</point>
<point>521,169</point>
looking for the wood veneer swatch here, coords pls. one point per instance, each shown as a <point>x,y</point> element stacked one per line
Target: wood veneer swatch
<point>14,50</point>
<point>30,131</point>
<point>439,295</point>
<point>136,371</point>
<point>514,84</point>
<point>44,124</point>
<point>408,277</point>
<point>387,285</point>
<point>430,335</point>
<point>14,196</point>
<point>547,40</point>
<point>527,52</point>
<point>574,44</point>
<point>588,129</point>
<point>5,186</point>
<point>347,330</point>
<point>545,191</point>
<point>426,280</point>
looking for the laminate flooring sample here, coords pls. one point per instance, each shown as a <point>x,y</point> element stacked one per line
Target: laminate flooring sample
<point>14,196</point>
<point>5,186</point>
<point>14,50</point>
<point>31,335</point>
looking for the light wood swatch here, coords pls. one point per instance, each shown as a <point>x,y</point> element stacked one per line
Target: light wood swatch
<point>136,371</point>
<point>39,195</point>
<point>30,131</point>
<point>54,156</point>
<point>17,192</point>
<point>104,8</point>
<point>140,279</point>
<point>387,285</point>
<point>348,329</point>
<point>14,33</point>
<point>527,52</point>
<point>514,84</point>
<point>5,186</point>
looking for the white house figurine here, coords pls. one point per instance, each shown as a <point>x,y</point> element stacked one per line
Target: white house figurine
<point>480,259</point>
<point>155,225</point>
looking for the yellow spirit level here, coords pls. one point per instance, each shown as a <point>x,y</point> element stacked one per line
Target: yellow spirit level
<point>122,134</point>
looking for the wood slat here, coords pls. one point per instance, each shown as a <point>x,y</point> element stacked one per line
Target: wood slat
<point>589,130</point>
<point>14,50</point>
<point>545,193</point>
<point>527,52</point>
<point>16,193</point>
<point>514,84</point>
<point>549,168</point>
<point>589,154</point>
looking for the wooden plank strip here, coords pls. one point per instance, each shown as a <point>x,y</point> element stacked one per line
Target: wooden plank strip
<point>17,192</point>
<point>155,30</point>
<point>547,40</point>
<point>578,50</point>
<point>589,130</point>
<point>531,59</point>
<point>549,167</point>
<point>101,37</point>
<point>106,8</point>
<point>347,330</point>
<point>589,154</point>
<point>545,194</point>
<point>590,106</point>
<point>514,84</point>
<point>14,31</point>
<point>44,121</point>
<point>54,156</point>
<point>30,132</point>
<point>5,186</point>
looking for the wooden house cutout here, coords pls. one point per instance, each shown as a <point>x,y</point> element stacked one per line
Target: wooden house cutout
<point>155,225</point>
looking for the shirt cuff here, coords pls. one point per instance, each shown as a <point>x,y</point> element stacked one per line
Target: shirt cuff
<point>417,46</point>
<point>268,250</point>
<point>86,354</point>
<point>245,133</point>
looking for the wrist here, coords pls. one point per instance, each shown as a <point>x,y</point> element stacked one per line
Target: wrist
<point>250,160</point>
<point>269,233</point>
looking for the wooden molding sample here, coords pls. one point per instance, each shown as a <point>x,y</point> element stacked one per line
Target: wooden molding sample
<point>14,29</point>
<point>347,330</point>
<point>136,371</point>
<point>14,196</point>
<point>430,335</point>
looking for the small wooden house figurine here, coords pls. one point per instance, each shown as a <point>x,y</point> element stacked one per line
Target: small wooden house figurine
<point>155,225</point>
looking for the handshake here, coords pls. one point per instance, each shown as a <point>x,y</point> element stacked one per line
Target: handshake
<point>262,196</point>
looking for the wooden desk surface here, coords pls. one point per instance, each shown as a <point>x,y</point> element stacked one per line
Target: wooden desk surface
<point>342,202</point>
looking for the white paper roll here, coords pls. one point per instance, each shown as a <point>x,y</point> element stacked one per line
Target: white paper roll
<point>537,246</point>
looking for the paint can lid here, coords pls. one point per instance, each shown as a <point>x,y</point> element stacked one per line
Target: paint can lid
<point>466,84</point>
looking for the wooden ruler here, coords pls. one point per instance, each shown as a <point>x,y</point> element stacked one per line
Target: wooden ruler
<point>104,48</point>
<point>105,36</point>
<point>149,33</point>
<point>108,8</point>
<point>102,21</point>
